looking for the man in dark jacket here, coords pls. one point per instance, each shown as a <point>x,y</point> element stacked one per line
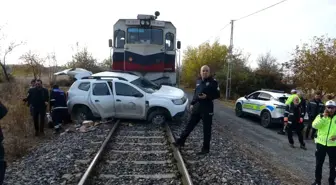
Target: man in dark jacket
<point>314,108</point>
<point>201,107</point>
<point>3,165</point>
<point>58,106</point>
<point>293,118</point>
<point>38,98</point>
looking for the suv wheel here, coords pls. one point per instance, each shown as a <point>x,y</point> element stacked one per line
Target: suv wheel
<point>266,119</point>
<point>81,114</point>
<point>157,117</point>
<point>239,110</point>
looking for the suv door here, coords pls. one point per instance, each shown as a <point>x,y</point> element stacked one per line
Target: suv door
<point>264,99</point>
<point>102,99</point>
<point>250,103</point>
<point>129,101</point>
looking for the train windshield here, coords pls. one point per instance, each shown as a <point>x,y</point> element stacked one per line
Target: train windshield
<point>145,36</point>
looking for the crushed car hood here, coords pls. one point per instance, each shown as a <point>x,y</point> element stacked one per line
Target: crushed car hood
<point>77,73</point>
<point>169,92</point>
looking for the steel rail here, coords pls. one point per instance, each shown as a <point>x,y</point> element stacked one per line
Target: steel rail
<point>186,179</point>
<point>96,158</point>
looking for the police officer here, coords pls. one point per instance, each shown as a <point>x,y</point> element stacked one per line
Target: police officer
<point>326,142</point>
<point>288,102</point>
<point>314,108</point>
<point>58,106</point>
<point>38,98</point>
<point>3,165</point>
<point>293,118</point>
<point>201,107</point>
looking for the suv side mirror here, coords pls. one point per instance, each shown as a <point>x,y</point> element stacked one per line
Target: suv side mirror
<point>138,95</point>
<point>110,43</point>
<point>246,97</point>
<point>178,44</point>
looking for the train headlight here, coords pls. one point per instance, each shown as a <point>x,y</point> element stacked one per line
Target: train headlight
<point>147,23</point>
<point>142,22</point>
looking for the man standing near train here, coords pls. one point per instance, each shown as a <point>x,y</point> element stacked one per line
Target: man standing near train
<point>202,107</point>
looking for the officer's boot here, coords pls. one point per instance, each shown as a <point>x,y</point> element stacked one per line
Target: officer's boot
<point>179,143</point>
<point>205,150</point>
<point>3,166</point>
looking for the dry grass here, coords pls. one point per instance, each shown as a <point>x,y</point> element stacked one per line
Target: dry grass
<point>17,125</point>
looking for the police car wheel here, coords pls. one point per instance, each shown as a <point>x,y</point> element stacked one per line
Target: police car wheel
<point>266,119</point>
<point>157,117</point>
<point>239,110</point>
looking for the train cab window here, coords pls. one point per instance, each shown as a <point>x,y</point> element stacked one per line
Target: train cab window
<point>169,41</point>
<point>119,38</point>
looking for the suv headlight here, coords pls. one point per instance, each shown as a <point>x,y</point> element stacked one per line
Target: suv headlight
<point>180,101</point>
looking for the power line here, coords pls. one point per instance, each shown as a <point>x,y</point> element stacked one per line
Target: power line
<point>218,32</point>
<point>260,10</point>
<point>246,17</point>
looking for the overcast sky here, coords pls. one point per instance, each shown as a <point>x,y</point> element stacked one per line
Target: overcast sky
<point>49,26</point>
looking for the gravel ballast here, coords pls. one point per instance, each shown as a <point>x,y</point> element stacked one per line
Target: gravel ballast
<point>63,160</point>
<point>59,161</point>
<point>227,162</point>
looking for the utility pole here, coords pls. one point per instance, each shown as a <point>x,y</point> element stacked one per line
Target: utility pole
<point>229,61</point>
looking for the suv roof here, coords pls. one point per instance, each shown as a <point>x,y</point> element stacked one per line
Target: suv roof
<point>129,76</point>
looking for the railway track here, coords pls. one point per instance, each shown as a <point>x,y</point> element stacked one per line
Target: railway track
<point>137,154</point>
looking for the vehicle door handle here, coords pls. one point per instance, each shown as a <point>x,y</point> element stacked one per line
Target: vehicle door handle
<point>118,100</point>
<point>96,100</point>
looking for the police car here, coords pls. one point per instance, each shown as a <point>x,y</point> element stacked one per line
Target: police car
<point>267,104</point>
<point>120,94</point>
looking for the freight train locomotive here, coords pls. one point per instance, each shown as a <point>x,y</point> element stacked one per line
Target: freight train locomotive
<point>147,47</point>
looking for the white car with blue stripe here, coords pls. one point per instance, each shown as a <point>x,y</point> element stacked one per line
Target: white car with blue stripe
<point>269,105</point>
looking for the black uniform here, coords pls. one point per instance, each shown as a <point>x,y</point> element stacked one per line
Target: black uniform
<point>203,109</point>
<point>294,113</point>
<point>3,165</point>
<point>37,97</point>
<point>58,106</point>
<point>303,103</point>
<point>314,108</point>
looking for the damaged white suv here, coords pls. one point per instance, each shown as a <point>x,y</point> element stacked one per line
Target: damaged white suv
<point>124,95</point>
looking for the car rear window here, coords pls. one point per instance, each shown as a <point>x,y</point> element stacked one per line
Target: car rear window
<point>283,99</point>
<point>84,86</point>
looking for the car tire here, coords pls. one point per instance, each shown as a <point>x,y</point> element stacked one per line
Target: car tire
<point>157,117</point>
<point>239,110</point>
<point>266,119</point>
<point>81,114</point>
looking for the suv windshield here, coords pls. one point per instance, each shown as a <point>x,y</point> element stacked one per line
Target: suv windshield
<point>146,85</point>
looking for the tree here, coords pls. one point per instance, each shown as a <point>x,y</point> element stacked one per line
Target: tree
<point>52,61</point>
<point>267,63</point>
<point>84,59</point>
<point>194,57</point>
<point>34,63</point>
<point>106,64</point>
<point>314,65</point>
<point>8,50</point>
<point>269,73</point>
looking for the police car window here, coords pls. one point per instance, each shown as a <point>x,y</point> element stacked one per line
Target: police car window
<point>264,96</point>
<point>85,86</point>
<point>100,89</point>
<point>125,90</point>
<point>254,95</point>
